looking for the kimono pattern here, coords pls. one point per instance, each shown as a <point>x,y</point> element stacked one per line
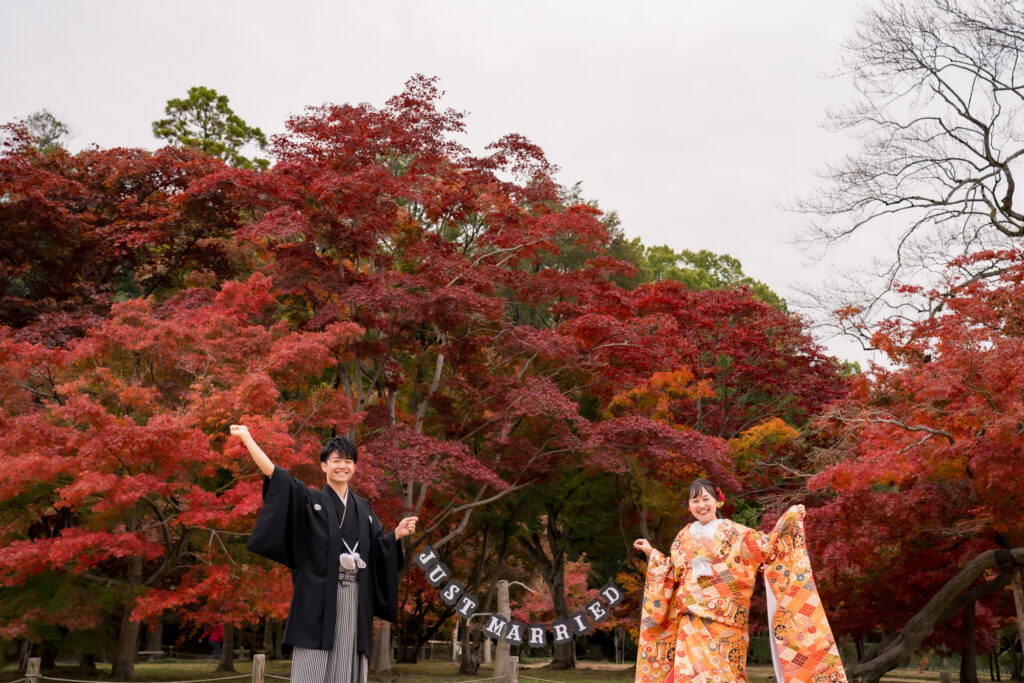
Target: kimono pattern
<point>695,628</point>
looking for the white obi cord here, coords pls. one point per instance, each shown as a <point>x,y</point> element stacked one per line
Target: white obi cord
<point>351,559</point>
<point>701,565</point>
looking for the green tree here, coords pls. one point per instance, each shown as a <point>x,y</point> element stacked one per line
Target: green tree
<point>205,120</point>
<point>706,270</point>
<point>47,131</point>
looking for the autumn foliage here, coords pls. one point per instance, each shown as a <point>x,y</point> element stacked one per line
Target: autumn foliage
<point>463,317</point>
<point>924,469</point>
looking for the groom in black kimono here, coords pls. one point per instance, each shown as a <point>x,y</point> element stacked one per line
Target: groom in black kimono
<point>344,566</point>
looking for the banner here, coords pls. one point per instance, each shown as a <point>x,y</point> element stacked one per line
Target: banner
<point>580,623</point>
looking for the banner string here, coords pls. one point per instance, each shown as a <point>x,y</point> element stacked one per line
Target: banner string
<point>453,594</point>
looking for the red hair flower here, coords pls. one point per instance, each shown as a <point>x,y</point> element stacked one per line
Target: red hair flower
<point>721,497</point>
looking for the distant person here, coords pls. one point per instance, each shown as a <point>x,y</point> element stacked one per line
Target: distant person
<point>215,636</point>
<point>344,565</point>
<point>697,600</point>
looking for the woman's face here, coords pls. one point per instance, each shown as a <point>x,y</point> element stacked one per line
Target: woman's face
<point>703,506</point>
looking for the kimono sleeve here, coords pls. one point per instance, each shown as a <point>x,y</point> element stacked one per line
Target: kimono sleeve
<point>659,621</point>
<point>280,525</point>
<point>801,637</point>
<point>388,560</point>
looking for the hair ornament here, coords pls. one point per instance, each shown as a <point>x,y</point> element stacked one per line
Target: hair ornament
<point>721,496</point>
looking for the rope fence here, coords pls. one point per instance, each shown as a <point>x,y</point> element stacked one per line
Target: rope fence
<point>258,675</point>
<point>192,680</point>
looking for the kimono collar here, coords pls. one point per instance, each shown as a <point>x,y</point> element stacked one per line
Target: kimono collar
<point>698,530</point>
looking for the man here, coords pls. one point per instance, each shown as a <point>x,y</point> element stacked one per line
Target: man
<point>344,566</point>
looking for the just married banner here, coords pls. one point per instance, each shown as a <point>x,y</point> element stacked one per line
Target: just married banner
<point>453,593</point>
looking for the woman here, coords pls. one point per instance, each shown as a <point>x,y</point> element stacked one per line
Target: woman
<point>696,601</point>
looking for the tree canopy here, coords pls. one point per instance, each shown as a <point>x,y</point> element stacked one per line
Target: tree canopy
<point>204,120</point>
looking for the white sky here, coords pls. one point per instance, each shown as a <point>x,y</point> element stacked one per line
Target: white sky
<point>691,119</point>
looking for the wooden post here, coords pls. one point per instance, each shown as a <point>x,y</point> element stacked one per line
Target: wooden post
<point>259,663</point>
<point>945,675</point>
<point>32,670</point>
<point>501,650</point>
<point>513,670</point>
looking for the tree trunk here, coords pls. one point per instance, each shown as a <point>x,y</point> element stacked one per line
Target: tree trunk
<point>861,650</point>
<point>380,656</point>
<point>950,600</point>
<point>472,647</point>
<point>1018,603</point>
<point>48,655</point>
<point>565,653</point>
<point>278,639</point>
<point>227,650</point>
<point>272,633</point>
<point>24,652</point>
<point>123,667</point>
<point>552,570</point>
<point>155,637</point>
<point>969,656</point>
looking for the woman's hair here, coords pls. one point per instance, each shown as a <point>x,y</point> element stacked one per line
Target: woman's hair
<point>341,445</point>
<point>700,486</point>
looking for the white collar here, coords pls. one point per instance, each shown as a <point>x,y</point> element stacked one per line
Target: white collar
<point>699,530</point>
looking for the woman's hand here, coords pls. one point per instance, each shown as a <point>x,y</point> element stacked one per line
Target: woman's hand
<point>643,545</point>
<point>406,527</point>
<point>241,431</point>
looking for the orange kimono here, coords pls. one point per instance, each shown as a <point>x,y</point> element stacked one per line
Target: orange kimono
<point>696,602</point>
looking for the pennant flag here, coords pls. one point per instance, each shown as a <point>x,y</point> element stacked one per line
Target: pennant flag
<point>438,574</point>
<point>426,557</point>
<point>612,594</point>
<point>580,623</point>
<point>451,592</point>
<point>467,606</point>
<point>562,632</point>
<point>496,626</point>
<point>538,635</point>
<point>596,610</point>
<point>514,634</point>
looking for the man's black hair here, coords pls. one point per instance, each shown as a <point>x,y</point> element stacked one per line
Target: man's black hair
<point>341,445</point>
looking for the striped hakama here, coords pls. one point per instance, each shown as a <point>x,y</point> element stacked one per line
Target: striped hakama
<point>342,663</point>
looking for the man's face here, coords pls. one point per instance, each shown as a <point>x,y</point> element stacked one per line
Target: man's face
<point>338,468</point>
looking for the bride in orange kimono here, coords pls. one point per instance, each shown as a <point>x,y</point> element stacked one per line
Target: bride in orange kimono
<point>696,601</point>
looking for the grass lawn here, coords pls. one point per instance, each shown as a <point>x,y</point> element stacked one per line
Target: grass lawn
<point>530,671</point>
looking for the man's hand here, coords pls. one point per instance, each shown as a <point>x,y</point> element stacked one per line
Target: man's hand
<point>405,527</point>
<point>258,456</point>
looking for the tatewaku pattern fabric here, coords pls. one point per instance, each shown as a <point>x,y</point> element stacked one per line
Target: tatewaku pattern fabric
<point>695,629</point>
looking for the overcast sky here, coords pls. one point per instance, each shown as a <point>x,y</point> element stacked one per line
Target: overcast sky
<point>693,120</point>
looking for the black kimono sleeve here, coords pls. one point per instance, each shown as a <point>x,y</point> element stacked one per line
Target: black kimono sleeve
<point>280,527</point>
<point>388,561</point>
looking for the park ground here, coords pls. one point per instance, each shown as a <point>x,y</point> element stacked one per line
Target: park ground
<point>586,672</point>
